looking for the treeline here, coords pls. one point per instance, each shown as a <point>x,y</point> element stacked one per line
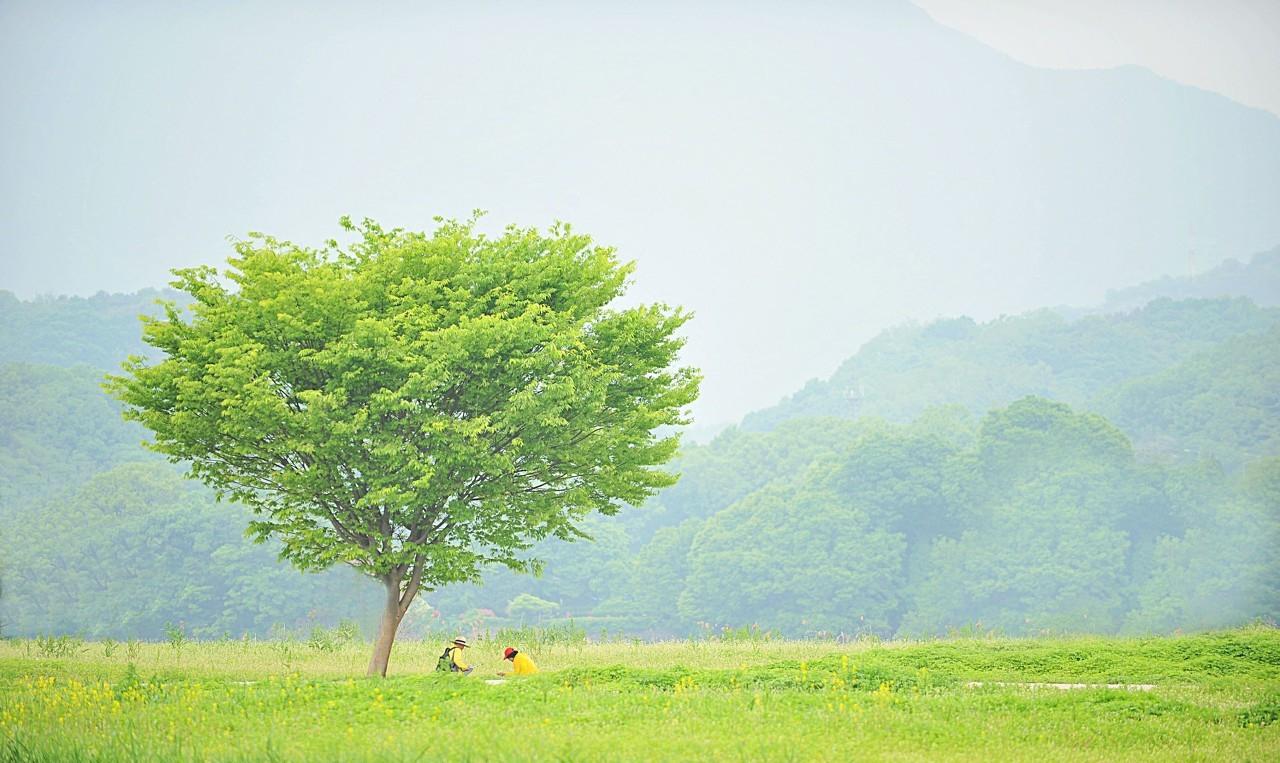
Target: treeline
<point>97,331</point>
<point>1035,519</point>
<point>138,548</point>
<point>102,538</point>
<point>1111,473</point>
<point>773,524</point>
<point>1137,368</point>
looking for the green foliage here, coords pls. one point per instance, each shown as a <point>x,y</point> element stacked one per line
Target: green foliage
<point>586,573</point>
<point>1265,713</point>
<point>1044,546</point>
<point>56,428</point>
<point>347,631</point>
<point>1226,563</point>
<point>63,645</point>
<point>137,547</point>
<point>656,576</point>
<point>1219,403</point>
<point>1043,523</point>
<point>536,639</point>
<point>322,639</point>
<point>97,331</point>
<point>905,370</point>
<point>176,636</point>
<point>416,405</point>
<point>800,560</point>
<point>1034,518</point>
<point>1017,443</point>
<point>739,462</point>
<point>526,607</point>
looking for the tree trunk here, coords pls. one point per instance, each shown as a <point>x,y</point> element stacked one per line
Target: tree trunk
<point>391,615</point>
<point>397,604</point>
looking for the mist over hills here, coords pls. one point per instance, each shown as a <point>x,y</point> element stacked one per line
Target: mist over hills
<point>800,177</point>
<point>1067,353</point>
<point>907,369</point>
<point>98,331</point>
<point>1257,279</point>
<point>956,465</point>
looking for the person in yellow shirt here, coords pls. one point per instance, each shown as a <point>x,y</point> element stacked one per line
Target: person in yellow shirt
<point>452,659</point>
<point>521,665</point>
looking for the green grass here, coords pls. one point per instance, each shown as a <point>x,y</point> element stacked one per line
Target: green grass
<point>1217,697</point>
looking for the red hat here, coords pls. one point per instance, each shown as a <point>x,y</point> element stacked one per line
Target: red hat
<point>508,653</point>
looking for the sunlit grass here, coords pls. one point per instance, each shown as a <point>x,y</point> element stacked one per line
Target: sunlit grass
<point>1215,699</point>
<point>252,658</point>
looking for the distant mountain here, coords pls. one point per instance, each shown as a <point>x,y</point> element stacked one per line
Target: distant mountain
<point>56,428</point>
<point>98,331</point>
<point>1068,353</point>
<point>1258,279</point>
<point>798,174</point>
<point>827,524</point>
<point>982,366</point>
<point>1222,403</point>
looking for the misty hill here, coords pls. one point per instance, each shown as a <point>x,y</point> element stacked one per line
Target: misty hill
<point>1222,403</point>
<point>98,331</point>
<point>1035,518</point>
<point>840,524</point>
<point>798,175</point>
<point>905,370</point>
<point>134,547</point>
<point>1258,279</point>
<point>57,427</point>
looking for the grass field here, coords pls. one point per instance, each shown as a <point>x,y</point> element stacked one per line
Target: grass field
<point>1216,697</point>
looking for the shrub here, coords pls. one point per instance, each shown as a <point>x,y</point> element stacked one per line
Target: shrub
<point>59,646</point>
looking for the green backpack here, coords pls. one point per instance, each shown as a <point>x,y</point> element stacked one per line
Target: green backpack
<point>445,663</point>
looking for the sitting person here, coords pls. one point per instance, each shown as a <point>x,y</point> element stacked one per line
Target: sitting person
<point>521,665</point>
<point>451,661</point>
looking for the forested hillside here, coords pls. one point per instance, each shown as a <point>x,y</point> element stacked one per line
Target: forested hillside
<point>1222,403</point>
<point>56,429</point>
<point>907,369</point>
<point>1037,518</point>
<point>1112,473</point>
<point>101,537</point>
<point>97,331</point>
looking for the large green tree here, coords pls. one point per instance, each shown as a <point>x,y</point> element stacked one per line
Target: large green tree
<point>415,405</point>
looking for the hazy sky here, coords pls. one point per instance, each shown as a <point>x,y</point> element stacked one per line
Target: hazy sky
<point>1228,46</point>
<point>801,175</point>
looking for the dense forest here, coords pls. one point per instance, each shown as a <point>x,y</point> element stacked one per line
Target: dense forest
<point>1056,471</point>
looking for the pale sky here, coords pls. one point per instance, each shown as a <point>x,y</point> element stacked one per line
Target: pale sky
<point>1228,46</point>
<point>801,175</point>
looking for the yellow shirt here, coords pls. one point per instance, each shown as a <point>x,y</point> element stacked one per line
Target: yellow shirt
<point>522,665</point>
<point>457,659</point>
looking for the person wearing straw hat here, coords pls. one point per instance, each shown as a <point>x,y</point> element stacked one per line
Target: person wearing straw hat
<point>451,661</point>
<point>521,665</point>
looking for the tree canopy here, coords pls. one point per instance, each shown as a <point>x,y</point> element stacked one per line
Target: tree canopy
<point>416,405</point>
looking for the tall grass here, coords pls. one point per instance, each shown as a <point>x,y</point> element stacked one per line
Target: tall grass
<point>724,698</point>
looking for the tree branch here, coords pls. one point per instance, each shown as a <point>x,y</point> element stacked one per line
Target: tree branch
<point>415,582</point>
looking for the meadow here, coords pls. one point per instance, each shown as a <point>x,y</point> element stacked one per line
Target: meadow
<point>1214,696</point>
